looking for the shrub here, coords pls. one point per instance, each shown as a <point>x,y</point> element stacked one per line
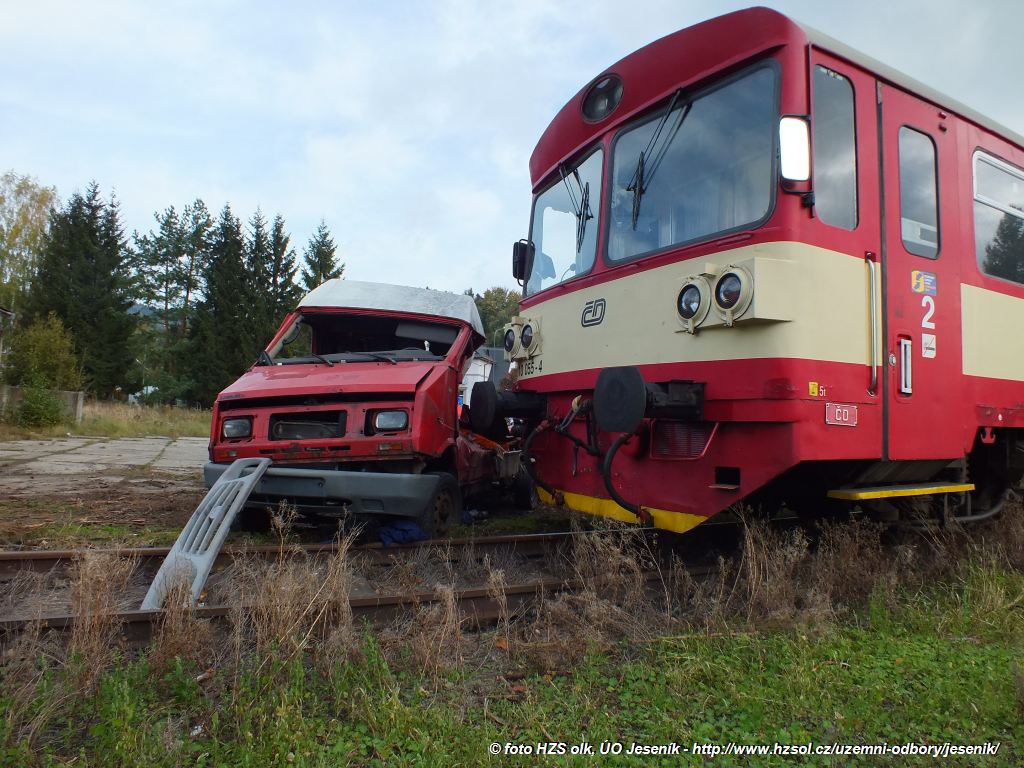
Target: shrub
<point>42,355</point>
<point>38,407</point>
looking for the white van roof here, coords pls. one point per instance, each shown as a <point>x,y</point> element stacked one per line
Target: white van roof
<point>395,298</point>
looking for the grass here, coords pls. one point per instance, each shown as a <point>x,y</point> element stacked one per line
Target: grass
<point>823,638</point>
<point>105,419</point>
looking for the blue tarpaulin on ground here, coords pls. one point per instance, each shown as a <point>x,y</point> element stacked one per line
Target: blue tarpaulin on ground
<point>401,532</point>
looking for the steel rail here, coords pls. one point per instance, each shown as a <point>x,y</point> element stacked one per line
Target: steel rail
<point>478,606</point>
<point>41,561</point>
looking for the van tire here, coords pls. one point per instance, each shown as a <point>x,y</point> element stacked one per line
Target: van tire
<point>443,509</point>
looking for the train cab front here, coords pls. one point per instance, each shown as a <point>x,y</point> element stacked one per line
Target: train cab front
<point>698,322</point>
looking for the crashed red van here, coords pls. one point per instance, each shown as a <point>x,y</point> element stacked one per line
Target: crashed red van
<point>355,401</point>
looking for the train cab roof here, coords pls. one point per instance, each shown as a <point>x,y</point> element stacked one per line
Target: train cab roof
<point>690,55</point>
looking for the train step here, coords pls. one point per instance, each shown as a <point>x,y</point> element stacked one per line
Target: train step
<point>200,540</point>
<point>897,491</point>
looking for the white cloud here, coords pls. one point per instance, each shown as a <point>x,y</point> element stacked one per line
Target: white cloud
<point>407,126</point>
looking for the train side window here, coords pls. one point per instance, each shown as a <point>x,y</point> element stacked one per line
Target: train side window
<point>919,194</point>
<point>835,149</point>
<point>999,218</point>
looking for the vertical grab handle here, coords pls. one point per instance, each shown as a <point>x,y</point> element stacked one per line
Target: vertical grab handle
<point>869,259</point>
<point>906,363</point>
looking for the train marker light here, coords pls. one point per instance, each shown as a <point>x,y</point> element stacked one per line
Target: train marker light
<point>727,293</point>
<point>689,301</point>
<point>734,290</point>
<point>693,303</point>
<point>794,149</point>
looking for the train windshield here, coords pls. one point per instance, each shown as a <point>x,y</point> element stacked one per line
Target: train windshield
<point>564,229</point>
<point>700,168</point>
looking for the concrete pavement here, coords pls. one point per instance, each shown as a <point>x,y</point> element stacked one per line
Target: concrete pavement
<point>84,463</point>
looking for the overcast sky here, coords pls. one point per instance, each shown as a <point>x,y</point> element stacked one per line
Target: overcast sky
<point>408,127</point>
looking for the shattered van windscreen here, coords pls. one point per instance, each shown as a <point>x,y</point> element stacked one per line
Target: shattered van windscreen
<point>342,338</point>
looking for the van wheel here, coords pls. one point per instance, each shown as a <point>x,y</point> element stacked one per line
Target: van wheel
<point>253,519</point>
<point>444,509</point>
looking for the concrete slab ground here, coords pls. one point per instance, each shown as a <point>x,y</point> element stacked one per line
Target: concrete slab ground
<point>76,464</point>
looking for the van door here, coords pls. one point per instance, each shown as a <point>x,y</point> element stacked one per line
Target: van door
<point>921,279</point>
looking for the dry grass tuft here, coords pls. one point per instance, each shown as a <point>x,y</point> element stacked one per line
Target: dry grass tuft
<point>435,634</point>
<point>181,634</point>
<point>98,580</point>
<point>294,604</point>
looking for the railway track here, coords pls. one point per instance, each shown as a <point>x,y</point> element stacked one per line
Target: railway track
<point>477,604</point>
<point>13,562</point>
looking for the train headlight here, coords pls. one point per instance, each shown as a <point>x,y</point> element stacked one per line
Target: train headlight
<point>602,98</point>
<point>689,301</point>
<point>512,341</point>
<point>527,336</point>
<point>693,302</point>
<point>734,290</point>
<point>727,292</point>
<point>235,429</point>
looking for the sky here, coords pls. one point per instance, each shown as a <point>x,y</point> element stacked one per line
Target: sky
<point>406,126</point>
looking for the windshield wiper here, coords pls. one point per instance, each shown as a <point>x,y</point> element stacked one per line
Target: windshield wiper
<point>322,359</point>
<point>581,208</point>
<point>375,356</point>
<point>264,358</point>
<point>644,173</point>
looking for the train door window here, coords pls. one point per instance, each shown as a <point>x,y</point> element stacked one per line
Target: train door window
<point>999,218</point>
<point>919,194</point>
<point>835,149</point>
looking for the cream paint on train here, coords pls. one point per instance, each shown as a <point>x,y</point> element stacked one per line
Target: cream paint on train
<point>993,345</point>
<point>823,295</point>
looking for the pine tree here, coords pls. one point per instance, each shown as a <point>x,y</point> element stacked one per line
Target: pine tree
<point>196,225</point>
<point>258,267</point>
<point>83,279</point>
<point>220,341</point>
<point>320,258</point>
<point>284,292</point>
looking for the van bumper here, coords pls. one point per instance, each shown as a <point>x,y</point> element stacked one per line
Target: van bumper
<point>362,493</point>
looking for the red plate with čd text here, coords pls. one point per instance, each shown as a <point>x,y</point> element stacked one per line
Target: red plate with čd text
<point>841,415</point>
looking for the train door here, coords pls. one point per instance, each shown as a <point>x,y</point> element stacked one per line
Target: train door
<point>921,279</point>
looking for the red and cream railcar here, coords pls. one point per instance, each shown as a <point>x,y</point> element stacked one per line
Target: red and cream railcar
<point>762,266</point>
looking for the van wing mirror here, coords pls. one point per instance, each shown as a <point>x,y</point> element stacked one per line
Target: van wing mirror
<point>522,259</point>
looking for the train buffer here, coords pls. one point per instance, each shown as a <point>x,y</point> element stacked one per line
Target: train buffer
<point>201,539</point>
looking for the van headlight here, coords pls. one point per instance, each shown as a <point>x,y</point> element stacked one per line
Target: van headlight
<point>234,429</point>
<point>390,421</point>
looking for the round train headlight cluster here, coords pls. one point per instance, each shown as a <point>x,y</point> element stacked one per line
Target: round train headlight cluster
<point>522,338</point>
<point>734,290</point>
<point>693,302</point>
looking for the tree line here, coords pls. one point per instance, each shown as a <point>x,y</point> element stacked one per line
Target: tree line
<point>184,308</point>
<point>179,311</point>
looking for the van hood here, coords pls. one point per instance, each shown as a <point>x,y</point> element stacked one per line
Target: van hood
<point>319,379</point>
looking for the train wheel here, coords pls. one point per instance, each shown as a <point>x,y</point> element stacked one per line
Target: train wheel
<point>444,509</point>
